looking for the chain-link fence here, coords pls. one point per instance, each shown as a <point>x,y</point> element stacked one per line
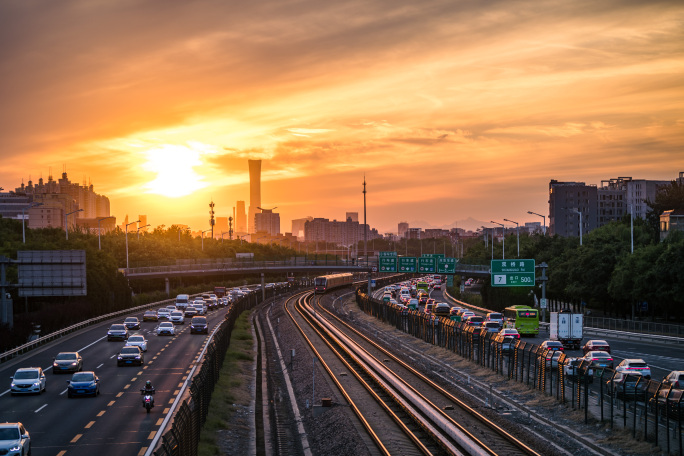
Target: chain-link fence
<point>651,410</point>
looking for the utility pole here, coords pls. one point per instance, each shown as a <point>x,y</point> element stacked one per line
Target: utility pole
<point>365,235</point>
<point>230,228</point>
<point>543,279</point>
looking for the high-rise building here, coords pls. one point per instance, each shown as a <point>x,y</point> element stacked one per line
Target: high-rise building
<point>240,218</point>
<point>221,226</point>
<point>267,221</point>
<point>352,216</point>
<point>340,233</point>
<point>566,199</point>
<point>254,192</point>
<point>298,227</point>
<point>403,229</point>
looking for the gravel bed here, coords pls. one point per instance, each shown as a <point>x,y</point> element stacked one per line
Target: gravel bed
<point>333,432</point>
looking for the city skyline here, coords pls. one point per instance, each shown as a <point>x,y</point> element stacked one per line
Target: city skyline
<point>452,110</point>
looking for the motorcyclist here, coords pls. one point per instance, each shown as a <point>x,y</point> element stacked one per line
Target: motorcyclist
<point>148,389</point>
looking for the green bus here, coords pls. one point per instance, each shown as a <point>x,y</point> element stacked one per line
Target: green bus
<point>423,286</point>
<point>523,318</point>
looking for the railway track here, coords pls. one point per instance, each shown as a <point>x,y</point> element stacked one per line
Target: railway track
<point>429,419</point>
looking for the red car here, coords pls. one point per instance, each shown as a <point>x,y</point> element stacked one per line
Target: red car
<point>596,345</point>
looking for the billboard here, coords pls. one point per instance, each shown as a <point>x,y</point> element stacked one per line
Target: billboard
<point>52,273</point>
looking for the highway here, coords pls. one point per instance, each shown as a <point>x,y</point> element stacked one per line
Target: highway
<point>114,423</point>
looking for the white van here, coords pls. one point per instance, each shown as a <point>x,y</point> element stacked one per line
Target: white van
<point>182,301</point>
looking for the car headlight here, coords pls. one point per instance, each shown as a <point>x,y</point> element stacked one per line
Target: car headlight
<point>36,383</point>
<point>73,364</point>
<point>15,448</point>
<point>13,385</point>
<point>119,357</point>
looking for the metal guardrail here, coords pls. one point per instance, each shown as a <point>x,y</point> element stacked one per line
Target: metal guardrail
<point>648,327</point>
<point>10,354</point>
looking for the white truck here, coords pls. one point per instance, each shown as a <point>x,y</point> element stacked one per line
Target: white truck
<point>567,327</point>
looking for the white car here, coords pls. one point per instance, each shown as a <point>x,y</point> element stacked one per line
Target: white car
<point>201,308</point>
<point>166,328</point>
<point>14,439</point>
<point>163,313</point>
<point>177,317</point>
<point>138,341</point>
<point>634,367</point>
<point>27,380</point>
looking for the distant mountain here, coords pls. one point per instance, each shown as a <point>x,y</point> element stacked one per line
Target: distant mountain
<point>469,224</point>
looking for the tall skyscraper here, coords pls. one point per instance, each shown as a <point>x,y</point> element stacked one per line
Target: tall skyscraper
<point>240,218</point>
<point>403,229</point>
<point>254,191</point>
<point>267,221</point>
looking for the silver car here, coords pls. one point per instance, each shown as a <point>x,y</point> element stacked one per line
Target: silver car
<point>14,439</point>
<point>137,341</point>
<point>28,380</point>
<point>177,317</point>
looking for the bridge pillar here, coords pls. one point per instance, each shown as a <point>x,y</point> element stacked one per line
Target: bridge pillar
<point>166,285</point>
<point>263,288</point>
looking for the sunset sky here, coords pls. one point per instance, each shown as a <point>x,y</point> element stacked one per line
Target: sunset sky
<point>452,109</point>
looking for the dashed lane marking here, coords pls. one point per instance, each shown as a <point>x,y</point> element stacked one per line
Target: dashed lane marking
<point>111,403</point>
<point>120,394</point>
<point>142,451</point>
<point>89,425</point>
<point>152,434</point>
<point>127,386</point>
<point>44,405</point>
<point>134,378</point>
<point>171,401</point>
<point>75,439</point>
<point>166,410</point>
<point>159,422</point>
<point>99,366</point>
<point>101,413</point>
<point>61,453</point>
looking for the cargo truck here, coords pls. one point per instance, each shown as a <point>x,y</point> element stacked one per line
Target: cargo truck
<point>567,328</point>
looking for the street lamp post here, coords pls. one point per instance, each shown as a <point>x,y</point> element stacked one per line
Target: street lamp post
<point>132,223</point>
<point>222,233</point>
<point>66,226</point>
<point>140,228</point>
<point>542,216</point>
<point>99,244</point>
<point>205,231</point>
<point>517,230</point>
<point>23,229</point>
<point>503,237</point>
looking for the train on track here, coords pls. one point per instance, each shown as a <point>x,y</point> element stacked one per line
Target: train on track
<point>328,282</point>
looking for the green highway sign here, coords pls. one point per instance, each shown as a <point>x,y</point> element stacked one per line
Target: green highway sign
<point>387,261</point>
<point>426,264</point>
<point>512,273</point>
<point>446,265</point>
<point>434,255</point>
<point>408,264</point>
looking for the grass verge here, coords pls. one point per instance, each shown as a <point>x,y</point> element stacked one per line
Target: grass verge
<point>232,390</point>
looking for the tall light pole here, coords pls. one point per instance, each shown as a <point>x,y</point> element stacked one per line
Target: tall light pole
<point>127,225</point>
<point>66,226</point>
<point>99,244</point>
<point>542,216</point>
<point>224,232</point>
<point>517,229</point>
<point>140,228</point>
<point>23,229</point>
<point>503,237</point>
<point>205,231</point>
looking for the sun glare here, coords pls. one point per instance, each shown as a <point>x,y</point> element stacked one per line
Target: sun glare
<point>173,165</point>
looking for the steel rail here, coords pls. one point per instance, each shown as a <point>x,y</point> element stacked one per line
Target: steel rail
<point>487,422</point>
<point>352,404</point>
<point>443,429</point>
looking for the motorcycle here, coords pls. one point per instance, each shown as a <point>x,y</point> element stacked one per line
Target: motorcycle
<point>148,399</point>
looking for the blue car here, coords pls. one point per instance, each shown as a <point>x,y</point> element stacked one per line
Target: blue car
<point>83,384</point>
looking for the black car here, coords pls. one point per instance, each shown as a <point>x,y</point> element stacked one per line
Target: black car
<point>130,355</point>
<point>117,332</point>
<point>198,325</point>
<point>132,323</point>
<point>627,387</point>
